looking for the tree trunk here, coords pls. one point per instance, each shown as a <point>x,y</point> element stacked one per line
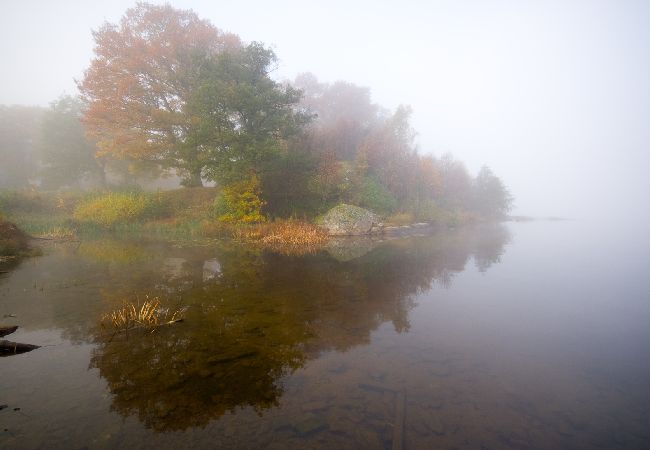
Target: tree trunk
<point>194,180</point>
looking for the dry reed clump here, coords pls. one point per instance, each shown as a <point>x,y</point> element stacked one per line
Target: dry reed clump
<point>147,315</point>
<point>293,232</point>
<point>290,237</point>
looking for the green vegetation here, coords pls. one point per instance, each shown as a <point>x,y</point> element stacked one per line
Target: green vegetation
<point>240,202</point>
<point>108,210</point>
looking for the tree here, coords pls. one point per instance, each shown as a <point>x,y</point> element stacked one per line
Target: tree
<point>345,114</point>
<point>456,183</point>
<point>244,118</point>
<point>489,195</point>
<point>145,71</point>
<point>392,155</point>
<point>67,155</point>
<point>18,133</point>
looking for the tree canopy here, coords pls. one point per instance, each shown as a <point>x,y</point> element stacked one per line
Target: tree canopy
<point>145,72</point>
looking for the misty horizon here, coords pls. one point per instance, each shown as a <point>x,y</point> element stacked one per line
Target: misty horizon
<point>551,96</point>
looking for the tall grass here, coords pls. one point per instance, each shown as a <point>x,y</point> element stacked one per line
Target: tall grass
<point>109,210</point>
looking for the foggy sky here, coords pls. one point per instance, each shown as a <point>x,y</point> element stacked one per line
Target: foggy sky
<point>554,96</point>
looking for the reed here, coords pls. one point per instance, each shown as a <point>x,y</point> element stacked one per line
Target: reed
<point>131,315</point>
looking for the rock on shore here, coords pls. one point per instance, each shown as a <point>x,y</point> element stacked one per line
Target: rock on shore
<point>349,220</point>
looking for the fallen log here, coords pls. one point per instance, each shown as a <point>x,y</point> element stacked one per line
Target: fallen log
<point>4,331</point>
<point>8,348</point>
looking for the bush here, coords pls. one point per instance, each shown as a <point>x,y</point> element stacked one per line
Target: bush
<point>240,202</point>
<point>115,208</point>
<point>375,197</point>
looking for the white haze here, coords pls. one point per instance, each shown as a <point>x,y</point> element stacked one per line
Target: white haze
<point>554,96</point>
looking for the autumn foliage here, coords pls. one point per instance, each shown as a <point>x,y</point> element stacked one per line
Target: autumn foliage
<point>170,89</point>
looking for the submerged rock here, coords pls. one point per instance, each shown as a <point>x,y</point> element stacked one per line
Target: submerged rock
<point>349,220</point>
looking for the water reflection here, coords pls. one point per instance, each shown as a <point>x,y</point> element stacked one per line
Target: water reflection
<point>253,317</point>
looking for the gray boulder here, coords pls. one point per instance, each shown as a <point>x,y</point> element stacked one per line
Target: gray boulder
<point>349,220</point>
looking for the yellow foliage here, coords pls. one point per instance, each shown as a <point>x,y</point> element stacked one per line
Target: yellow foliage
<point>240,202</point>
<point>118,207</point>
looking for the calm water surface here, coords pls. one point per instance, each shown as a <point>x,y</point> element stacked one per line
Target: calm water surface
<point>530,335</point>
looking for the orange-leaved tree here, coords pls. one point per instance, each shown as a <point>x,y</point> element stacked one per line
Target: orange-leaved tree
<point>142,81</point>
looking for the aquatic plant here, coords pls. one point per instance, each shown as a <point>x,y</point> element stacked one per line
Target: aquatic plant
<point>149,314</point>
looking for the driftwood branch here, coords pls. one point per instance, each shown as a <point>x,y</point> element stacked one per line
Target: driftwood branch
<point>4,331</point>
<point>8,348</point>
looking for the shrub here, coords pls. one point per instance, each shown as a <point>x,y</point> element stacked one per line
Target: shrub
<point>115,208</point>
<point>376,197</point>
<point>240,202</point>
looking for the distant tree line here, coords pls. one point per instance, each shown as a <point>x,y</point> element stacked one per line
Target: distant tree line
<point>167,92</point>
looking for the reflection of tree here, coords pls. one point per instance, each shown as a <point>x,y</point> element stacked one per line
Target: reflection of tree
<point>489,246</point>
<point>183,376</point>
<point>265,315</point>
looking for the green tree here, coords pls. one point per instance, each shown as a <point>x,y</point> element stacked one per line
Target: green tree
<point>18,133</point>
<point>67,155</point>
<point>490,197</point>
<point>245,118</point>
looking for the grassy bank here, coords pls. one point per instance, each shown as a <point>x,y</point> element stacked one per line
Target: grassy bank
<point>185,215</point>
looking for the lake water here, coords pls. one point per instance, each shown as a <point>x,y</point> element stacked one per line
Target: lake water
<point>521,335</point>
